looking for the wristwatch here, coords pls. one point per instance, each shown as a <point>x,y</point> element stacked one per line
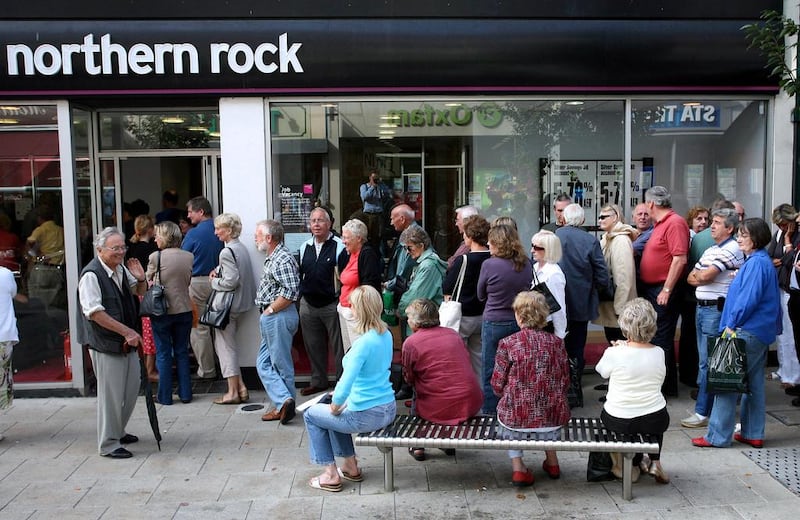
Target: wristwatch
<point>665,289</point>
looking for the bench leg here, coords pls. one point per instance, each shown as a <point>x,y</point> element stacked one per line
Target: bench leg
<point>627,476</point>
<point>388,469</point>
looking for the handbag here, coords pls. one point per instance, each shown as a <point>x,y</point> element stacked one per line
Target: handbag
<point>450,311</point>
<point>218,309</point>
<point>727,364</point>
<point>541,288</point>
<point>598,468</point>
<point>154,302</point>
<point>217,313</point>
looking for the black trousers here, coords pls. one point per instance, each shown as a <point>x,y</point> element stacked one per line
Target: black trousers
<point>655,424</point>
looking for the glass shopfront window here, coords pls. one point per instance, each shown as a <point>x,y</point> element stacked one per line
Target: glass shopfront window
<point>512,157</point>
<point>32,239</point>
<point>703,150</point>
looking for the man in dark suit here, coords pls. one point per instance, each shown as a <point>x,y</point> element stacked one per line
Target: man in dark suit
<point>585,271</point>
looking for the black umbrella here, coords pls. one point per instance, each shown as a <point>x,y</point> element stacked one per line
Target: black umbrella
<point>149,401</point>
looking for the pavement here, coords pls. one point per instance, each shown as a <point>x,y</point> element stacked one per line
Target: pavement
<point>224,462</point>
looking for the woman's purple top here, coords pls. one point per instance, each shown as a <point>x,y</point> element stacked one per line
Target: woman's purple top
<point>499,284</point>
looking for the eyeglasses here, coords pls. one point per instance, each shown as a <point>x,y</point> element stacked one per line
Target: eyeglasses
<point>410,248</point>
<point>537,248</point>
<point>318,220</point>
<point>117,249</point>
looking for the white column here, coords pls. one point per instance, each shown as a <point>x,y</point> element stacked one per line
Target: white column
<point>244,133</point>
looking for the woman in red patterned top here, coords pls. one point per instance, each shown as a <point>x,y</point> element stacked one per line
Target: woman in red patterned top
<point>531,377</point>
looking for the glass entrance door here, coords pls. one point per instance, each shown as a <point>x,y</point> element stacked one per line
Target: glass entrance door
<point>130,185</point>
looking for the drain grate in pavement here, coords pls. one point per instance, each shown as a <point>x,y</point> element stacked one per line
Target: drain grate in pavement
<point>782,463</point>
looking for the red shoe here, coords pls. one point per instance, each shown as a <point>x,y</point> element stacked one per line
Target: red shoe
<point>522,478</point>
<point>701,442</point>
<point>756,443</point>
<point>553,472</point>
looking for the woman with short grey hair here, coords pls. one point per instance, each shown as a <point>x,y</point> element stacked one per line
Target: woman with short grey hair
<point>360,266</point>
<point>437,366</point>
<point>234,273</point>
<point>428,275</point>
<point>635,370</point>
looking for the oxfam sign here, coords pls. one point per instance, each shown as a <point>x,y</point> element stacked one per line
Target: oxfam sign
<point>487,115</point>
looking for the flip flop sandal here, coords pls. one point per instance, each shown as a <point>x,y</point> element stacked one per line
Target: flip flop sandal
<point>358,477</point>
<point>417,453</point>
<point>316,484</point>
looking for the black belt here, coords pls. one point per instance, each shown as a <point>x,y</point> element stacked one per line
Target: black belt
<point>710,303</point>
<point>263,307</point>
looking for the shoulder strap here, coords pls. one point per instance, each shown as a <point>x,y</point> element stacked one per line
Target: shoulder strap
<point>460,280</point>
<point>158,267</point>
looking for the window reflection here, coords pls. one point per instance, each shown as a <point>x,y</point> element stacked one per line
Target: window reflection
<point>32,238</point>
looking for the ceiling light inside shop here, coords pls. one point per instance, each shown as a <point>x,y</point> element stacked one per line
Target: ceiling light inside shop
<point>8,121</point>
<point>453,104</point>
<point>692,104</point>
<point>386,137</point>
<point>172,120</point>
<point>329,105</point>
<point>197,129</point>
<point>386,132</point>
<point>213,134</point>
<point>575,103</point>
<point>9,107</point>
<point>388,125</point>
<point>391,118</point>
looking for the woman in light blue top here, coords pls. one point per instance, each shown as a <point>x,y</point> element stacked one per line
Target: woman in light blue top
<point>362,401</point>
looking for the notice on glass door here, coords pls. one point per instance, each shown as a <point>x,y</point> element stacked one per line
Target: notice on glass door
<point>296,207</point>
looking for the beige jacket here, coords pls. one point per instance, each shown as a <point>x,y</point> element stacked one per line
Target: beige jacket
<point>618,254</point>
<point>176,275</point>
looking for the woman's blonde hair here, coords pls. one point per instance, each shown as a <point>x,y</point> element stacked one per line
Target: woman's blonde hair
<point>551,244</point>
<point>170,234</point>
<point>531,310</point>
<point>230,221</point>
<point>367,306</point>
<point>141,225</point>
<point>638,320</point>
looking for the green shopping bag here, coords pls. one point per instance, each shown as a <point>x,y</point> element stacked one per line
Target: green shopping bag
<point>727,364</point>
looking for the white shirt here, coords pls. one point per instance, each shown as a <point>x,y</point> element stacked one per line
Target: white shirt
<point>635,377</point>
<point>557,283</point>
<point>89,289</point>
<point>8,320</point>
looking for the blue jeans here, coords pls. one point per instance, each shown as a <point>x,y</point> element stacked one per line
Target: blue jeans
<point>331,435</point>
<point>707,324</point>
<point>753,407</point>
<point>171,333</point>
<point>274,363</point>
<point>491,334</point>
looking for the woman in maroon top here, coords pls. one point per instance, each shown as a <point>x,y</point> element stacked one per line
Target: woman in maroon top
<point>531,378</point>
<point>437,364</point>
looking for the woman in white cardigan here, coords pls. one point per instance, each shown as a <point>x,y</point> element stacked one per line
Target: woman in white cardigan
<point>546,252</point>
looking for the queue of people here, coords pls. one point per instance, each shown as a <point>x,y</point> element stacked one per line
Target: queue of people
<point>512,357</point>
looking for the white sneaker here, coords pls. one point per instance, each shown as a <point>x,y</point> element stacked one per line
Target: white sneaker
<point>694,421</point>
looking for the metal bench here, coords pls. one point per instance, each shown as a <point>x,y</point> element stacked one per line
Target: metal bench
<point>482,433</point>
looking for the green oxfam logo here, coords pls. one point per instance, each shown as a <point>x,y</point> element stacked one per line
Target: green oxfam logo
<point>488,115</point>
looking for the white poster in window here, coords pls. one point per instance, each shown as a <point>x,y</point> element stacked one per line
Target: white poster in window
<point>577,179</point>
<point>693,184</point>
<point>610,184</point>
<point>726,182</point>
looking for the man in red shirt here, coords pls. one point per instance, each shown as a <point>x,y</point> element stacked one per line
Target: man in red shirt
<point>661,270</point>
